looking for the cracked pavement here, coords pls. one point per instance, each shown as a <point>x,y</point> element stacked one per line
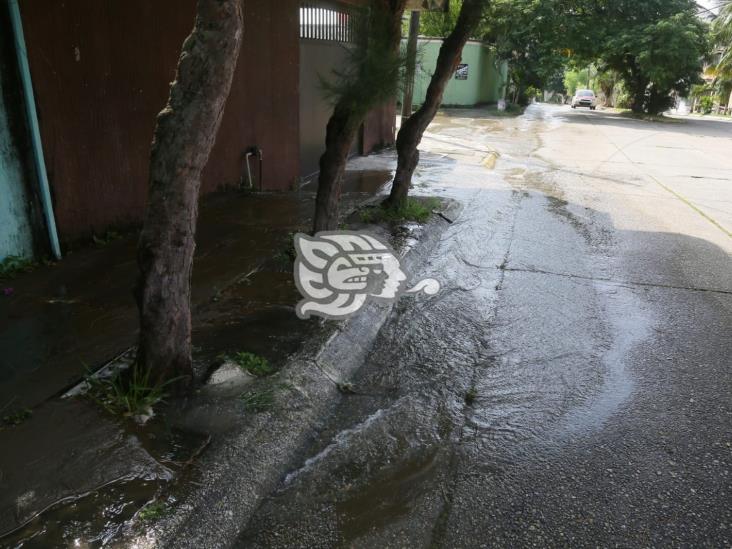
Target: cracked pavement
<point>571,384</point>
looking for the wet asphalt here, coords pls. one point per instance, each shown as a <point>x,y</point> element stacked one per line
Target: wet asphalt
<point>571,385</point>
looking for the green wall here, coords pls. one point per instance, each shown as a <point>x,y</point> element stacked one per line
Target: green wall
<point>484,80</point>
<point>15,229</point>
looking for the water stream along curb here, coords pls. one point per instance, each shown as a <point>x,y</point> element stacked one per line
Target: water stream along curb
<point>246,464</point>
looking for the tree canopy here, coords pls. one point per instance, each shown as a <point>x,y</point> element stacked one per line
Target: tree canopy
<point>654,47</point>
<point>657,47</point>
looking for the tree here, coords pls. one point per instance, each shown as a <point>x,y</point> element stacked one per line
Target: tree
<point>408,95</point>
<point>184,134</point>
<point>410,134</point>
<point>531,35</point>
<point>657,56</point>
<point>371,79</point>
<point>575,80</point>
<point>607,81</point>
<point>722,38</point>
<point>654,47</point>
<point>439,24</point>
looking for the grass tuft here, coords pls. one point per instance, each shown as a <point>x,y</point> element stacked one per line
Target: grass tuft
<point>254,364</point>
<point>16,417</point>
<point>13,265</point>
<point>258,400</point>
<point>412,210</point>
<point>127,393</point>
<point>153,511</point>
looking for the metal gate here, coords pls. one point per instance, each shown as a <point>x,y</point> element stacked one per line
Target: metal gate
<point>326,30</point>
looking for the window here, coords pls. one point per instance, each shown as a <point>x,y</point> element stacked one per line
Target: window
<point>325,21</point>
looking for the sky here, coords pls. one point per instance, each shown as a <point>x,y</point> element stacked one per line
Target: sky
<point>709,4</point>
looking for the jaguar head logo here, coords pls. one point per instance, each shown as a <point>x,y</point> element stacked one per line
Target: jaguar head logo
<point>337,272</point>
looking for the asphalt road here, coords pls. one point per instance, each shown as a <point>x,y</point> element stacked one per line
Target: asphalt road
<point>571,385</point>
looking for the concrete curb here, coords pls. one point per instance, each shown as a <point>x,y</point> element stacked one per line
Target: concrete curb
<point>246,464</point>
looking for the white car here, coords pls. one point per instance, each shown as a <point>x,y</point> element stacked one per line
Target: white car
<point>584,98</point>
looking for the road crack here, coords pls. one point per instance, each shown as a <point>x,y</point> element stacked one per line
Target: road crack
<point>625,283</point>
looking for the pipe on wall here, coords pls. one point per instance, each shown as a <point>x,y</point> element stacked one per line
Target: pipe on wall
<point>30,109</point>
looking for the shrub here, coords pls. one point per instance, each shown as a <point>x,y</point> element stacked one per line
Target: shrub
<point>706,104</point>
<point>254,364</point>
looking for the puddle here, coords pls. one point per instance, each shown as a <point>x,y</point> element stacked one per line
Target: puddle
<point>85,472</point>
<point>105,512</point>
<point>358,181</point>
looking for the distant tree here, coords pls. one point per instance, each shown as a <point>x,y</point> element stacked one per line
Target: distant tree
<point>185,132</point>
<point>555,82</point>
<point>572,81</point>
<point>607,81</point>
<point>722,37</point>
<point>370,79</point>
<point>656,47</point>
<point>531,35</point>
<point>438,24</point>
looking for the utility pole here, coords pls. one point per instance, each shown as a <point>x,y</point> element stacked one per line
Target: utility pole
<point>411,65</point>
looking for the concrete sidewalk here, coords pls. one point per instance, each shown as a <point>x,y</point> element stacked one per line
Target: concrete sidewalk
<point>63,320</point>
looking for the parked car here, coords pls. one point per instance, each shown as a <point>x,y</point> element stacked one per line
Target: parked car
<point>584,98</point>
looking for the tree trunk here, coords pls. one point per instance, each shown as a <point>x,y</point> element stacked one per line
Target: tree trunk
<point>339,136</point>
<point>608,90</point>
<point>657,103</point>
<point>411,65</point>
<point>410,134</point>
<point>638,104</point>
<point>347,116</point>
<point>184,135</point>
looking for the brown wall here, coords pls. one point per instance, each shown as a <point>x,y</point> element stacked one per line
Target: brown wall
<point>101,71</point>
<point>379,128</point>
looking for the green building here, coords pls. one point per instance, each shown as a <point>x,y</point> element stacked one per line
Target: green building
<point>477,80</point>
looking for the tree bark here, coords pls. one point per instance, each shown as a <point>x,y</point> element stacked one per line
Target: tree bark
<point>410,134</point>
<point>341,131</point>
<point>638,87</point>
<point>411,65</point>
<point>184,134</point>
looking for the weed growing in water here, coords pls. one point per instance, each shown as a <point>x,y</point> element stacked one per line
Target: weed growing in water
<point>254,364</point>
<point>127,392</point>
<point>16,417</point>
<point>153,511</point>
<point>412,210</point>
<point>258,400</point>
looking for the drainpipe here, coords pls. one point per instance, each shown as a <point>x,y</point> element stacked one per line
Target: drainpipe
<point>30,110</point>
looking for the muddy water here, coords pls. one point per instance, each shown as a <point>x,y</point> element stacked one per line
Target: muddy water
<point>488,373</point>
<point>91,520</point>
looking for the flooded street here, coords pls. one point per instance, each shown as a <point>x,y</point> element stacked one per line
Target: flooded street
<point>571,382</point>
